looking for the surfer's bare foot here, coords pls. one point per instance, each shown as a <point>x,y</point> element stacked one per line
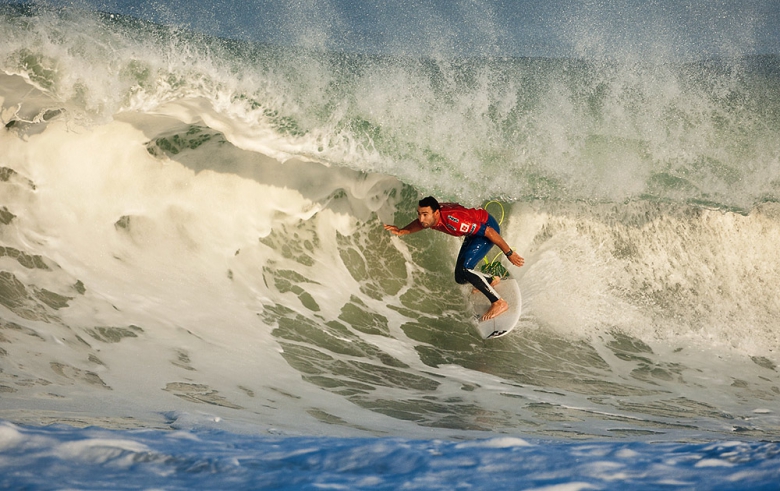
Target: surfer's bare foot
<point>496,308</point>
<point>494,282</point>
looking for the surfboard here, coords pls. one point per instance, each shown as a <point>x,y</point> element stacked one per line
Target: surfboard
<point>504,323</point>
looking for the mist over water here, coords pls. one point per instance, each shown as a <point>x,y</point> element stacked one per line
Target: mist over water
<point>191,225</point>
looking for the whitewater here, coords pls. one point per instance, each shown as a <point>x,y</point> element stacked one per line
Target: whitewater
<point>196,290</point>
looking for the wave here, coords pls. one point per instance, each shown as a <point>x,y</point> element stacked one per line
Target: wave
<point>190,222</point>
<point>467,128</point>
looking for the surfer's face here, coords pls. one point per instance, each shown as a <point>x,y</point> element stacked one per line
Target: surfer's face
<point>427,217</point>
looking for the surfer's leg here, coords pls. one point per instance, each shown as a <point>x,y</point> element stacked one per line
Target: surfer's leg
<point>495,280</point>
<point>481,282</point>
<point>474,249</point>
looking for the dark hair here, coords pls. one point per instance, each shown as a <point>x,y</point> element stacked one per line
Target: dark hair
<point>430,201</point>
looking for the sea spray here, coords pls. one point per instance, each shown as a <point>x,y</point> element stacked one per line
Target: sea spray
<point>467,128</point>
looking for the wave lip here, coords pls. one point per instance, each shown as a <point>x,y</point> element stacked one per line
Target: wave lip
<point>472,128</point>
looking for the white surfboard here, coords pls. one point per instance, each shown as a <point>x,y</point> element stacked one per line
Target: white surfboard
<point>504,323</point>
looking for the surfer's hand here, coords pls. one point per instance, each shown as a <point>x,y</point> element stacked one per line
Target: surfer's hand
<point>516,259</point>
<point>395,230</point>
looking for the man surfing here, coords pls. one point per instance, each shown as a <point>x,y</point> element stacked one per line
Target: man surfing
<point>481,232</point>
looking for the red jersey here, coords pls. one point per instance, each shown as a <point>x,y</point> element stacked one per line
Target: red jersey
<point>459,221</point>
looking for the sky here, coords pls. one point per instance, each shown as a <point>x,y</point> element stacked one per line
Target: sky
<point>584,28</point>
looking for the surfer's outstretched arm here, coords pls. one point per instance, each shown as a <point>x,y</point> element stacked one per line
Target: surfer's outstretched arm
<point>499,241</point>
<point>413,227</point>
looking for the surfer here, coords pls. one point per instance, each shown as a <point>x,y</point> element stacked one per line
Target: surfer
<point>481,231</point>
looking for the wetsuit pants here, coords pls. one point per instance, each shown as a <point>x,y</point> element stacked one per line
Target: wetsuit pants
<point>474,249</point>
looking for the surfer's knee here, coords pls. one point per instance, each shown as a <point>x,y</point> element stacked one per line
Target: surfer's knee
<point>461,276</point>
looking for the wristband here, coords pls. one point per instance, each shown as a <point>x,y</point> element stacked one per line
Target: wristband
<point>509,252</point>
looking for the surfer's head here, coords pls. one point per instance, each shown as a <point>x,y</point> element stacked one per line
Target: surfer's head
<point>428,212</point>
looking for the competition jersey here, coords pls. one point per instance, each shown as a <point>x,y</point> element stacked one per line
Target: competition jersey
<point>458,221</point>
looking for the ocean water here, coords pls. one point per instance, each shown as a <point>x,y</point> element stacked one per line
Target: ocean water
<point>196,290</point>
